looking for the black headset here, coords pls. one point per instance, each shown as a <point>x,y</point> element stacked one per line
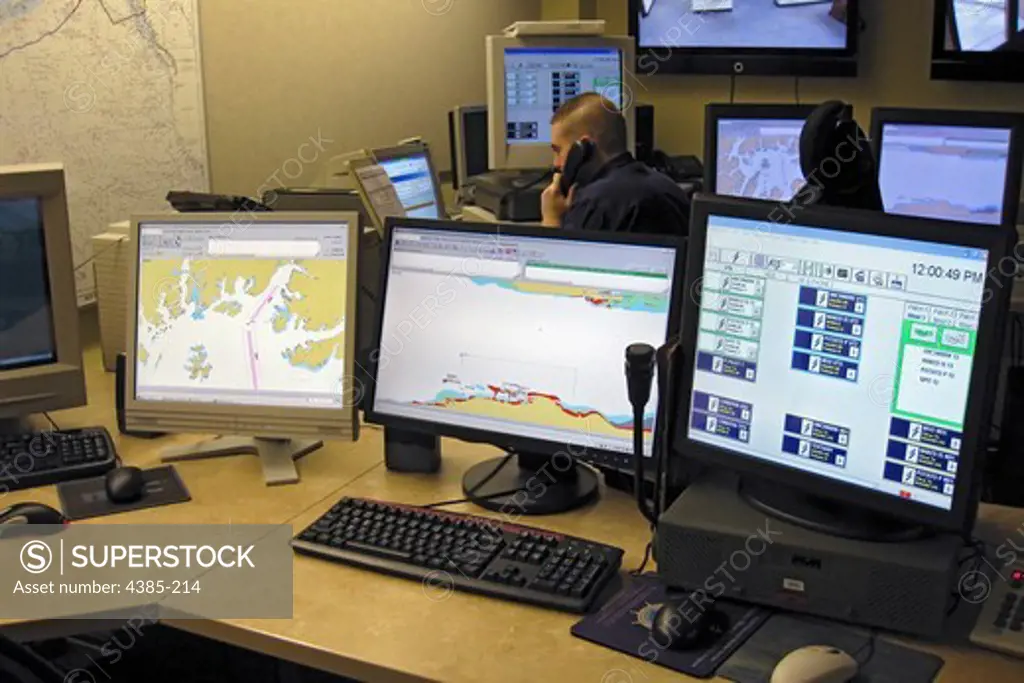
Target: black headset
<point>845,178</point>
<point>826,130</point>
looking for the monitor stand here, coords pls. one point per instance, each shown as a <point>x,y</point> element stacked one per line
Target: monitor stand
<point>277,456</point>
<point>530,484</point>
<point>826,516</point>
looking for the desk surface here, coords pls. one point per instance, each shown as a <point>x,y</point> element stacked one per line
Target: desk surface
<point>379,628</point>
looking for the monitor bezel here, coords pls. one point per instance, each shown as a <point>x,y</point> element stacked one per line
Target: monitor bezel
<point>513,443</point>
<point>985,370</point>
<point>503,156</point>
<point>457,133</point>
<point>246,420</point>
<point>881,116</point>
<point>716,112</point>
<point>957,65</point>
<point>378,154</point>
<point>60,383</point>
<point>738,61</point>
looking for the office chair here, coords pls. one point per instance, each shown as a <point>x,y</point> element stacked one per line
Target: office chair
<point>19,664</point>
<point>838,161</point>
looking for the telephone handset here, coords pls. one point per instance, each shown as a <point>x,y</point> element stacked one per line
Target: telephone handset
<point>579,165</point>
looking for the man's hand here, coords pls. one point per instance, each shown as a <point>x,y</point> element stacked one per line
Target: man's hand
<point>553,204</point>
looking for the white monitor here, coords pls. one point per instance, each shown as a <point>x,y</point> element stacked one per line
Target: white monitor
<point>244,326</point>
<point>40,356</point>
<point>529,78</point>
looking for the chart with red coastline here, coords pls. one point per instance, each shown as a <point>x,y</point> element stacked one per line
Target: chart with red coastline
<point>524,353</point>
<point>512,401</point>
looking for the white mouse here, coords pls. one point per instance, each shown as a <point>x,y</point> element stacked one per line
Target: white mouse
<point>815,664</point>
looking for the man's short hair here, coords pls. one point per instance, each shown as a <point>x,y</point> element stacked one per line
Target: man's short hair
<point>598,118</point>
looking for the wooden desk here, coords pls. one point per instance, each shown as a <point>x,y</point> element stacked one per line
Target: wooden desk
<point>374,627</point>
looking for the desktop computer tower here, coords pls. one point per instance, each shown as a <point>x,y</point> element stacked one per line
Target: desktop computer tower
<point>713,541</point>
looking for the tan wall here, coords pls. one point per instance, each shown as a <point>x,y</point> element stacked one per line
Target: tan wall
<point>362,73</point>
<point>894,71</point>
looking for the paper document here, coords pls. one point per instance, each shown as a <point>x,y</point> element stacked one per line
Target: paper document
<point>380,191</point>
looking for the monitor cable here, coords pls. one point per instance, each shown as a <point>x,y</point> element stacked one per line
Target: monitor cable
<point>97,254</point>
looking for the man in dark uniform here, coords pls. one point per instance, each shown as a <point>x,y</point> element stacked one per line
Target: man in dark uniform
<point>620,193</point>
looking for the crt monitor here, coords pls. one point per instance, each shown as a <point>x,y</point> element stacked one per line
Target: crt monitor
<point>851,355</point>
<point>752,37</point>
<point>529,79</point>
<point>753,150</point>
<point>246,329</point>
<point>467,130</point>
<point>515,335</point>
<point>979,40</point>
<point>40,356</point>
<point>954,165</point>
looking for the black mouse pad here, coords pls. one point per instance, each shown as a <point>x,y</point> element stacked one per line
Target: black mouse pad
<point>623,624</point>
<point>87,498</point>
<point>880,661</point>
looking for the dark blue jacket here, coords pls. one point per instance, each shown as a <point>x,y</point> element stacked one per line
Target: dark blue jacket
<point>626,195</point>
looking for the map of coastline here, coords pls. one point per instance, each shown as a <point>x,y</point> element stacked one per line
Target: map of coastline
<point>511,401</point>
<point>241,323</point>
<point>759,166</point>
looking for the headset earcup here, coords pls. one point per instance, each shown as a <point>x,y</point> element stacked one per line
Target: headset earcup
<point>819,134</point>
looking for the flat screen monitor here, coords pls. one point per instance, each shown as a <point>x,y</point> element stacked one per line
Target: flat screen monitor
<point>40,356</point>
<point>467,129</point>
<point>979,40</point>
<point>244,328</point>
<point>753,150</point>
<point>847,354</point>
<point>414,180</point>
<point>410,188</point>
<point>953,165</point>
<point>762,37</point>
<point>528,80</point>
<point>516,335</point>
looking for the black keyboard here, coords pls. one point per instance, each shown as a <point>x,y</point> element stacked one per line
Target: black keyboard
<point>41,458</point>
<point>463,552</point>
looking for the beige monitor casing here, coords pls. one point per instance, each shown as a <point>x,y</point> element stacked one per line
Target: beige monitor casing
<point>61,384</point>
<point>248,420</point>
<point>531,156</point>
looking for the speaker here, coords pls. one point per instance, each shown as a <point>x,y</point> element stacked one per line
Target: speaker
<point>119,401</point>
<point>644,132</point>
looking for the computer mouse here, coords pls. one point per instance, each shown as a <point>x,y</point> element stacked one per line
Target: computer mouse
<point>681,624</point>
<point>815,664</point>
<point>31,513</point>
<point>124,484</point>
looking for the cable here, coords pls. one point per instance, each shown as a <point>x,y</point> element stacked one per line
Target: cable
<point>869,646</point>
<point>368,293</point>
<point>457,501</point>
<point>476,487</point>
<point>977,554</point>
<point>796,88</point>
<point>643,563</point>
<point>96,255</point>
<point>732,89</point>
<point>52,423</point>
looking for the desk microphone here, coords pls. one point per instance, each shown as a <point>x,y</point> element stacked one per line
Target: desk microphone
<point>639,375</point>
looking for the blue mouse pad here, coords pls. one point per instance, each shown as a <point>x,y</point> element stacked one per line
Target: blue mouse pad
<point>623,624</point>
<point>85,498</point>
